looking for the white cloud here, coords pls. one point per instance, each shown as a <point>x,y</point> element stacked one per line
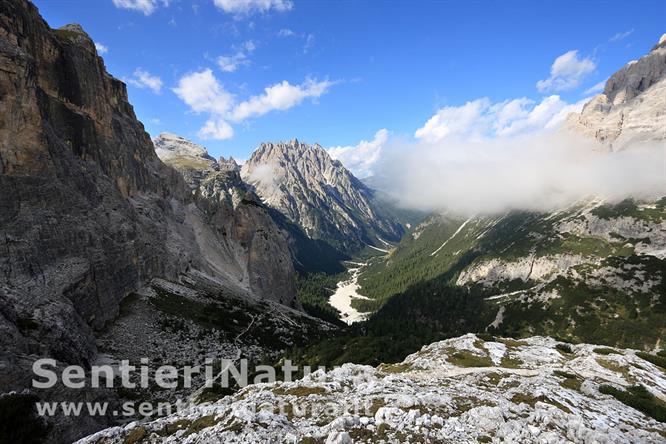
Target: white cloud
<point>101,49</point>
<point>361,157</point>
<point>567,72</point>
<point>246,7</point>
<point>286,32</point>
<point>147,7</point>
<point>240,58</point>
<point>621,36</point>
<point>480,118</point>
<point>280,96</point>
<point>216,128</point>
<point>597,88</point>
<point>309,43</point>
<point>536,171</point>
<point>143,79</point>
<point>202,92</point>
<point>231,63</point>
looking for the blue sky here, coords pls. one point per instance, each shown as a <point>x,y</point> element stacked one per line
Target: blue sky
<point>346,70</point>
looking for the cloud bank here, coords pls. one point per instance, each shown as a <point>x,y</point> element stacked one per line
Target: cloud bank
<point>540,171</point>
<point>488,158</point>
<point>361,157</point>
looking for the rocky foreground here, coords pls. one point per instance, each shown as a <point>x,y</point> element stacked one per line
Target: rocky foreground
<point>459,390</point>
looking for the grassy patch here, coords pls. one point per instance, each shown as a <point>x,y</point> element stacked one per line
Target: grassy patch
<point>629,208</point>
<point>509,362</point>
<point>494,378</point>
<point>464,404</point>
<point>377,403</point>
<point>612,366</point>
<point>531,400</point>
<point>463,358</point>
<point>395,368</point>
<point>570,381</point>
<point>300,391</point>
<point>201,423</point>
<point>172,428</point>
<point>311,440</point>
<point>638,398</point>
<point>136,435</point>
<point>188,163</point>
<point>510,342</point>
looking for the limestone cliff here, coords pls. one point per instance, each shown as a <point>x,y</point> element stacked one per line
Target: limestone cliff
<point>89,213</point>
<point>318,194</point>
<point>630,111</point>
<point>237,213</point>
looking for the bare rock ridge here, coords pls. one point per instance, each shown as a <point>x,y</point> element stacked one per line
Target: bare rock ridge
<point>319,194</point>
<point>462,390</point>
<point>89,213</point>
<point>630,111</point>
<point>232,208</point>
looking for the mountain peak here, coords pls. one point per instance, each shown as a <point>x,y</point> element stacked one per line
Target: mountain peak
<point>74,33</point>
<point>629,111</point>
<point>317,193</point>
<point>168,145</point>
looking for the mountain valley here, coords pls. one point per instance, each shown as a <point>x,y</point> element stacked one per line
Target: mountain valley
<point>119,248</point>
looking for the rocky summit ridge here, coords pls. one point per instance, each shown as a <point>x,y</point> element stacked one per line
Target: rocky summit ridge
<point>630,111</point>
<point>319,194</point>
<point>463,390</point>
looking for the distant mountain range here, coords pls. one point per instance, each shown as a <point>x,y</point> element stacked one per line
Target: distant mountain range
<point>326,214</point>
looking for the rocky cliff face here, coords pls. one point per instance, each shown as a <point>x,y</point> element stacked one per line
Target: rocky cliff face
<point>89,213</point>
<point>463,390</point>
<point>630,111</point>
<point>82,189</point>
<point>233,209</point>
<point>318,194</point>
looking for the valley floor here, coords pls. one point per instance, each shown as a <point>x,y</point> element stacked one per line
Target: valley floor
<point>345,293</point>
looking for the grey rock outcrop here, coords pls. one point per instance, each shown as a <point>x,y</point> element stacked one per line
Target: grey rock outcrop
<point>318,193</point>
<point>190,159</point>
<point>233,209</point>
<point>630,111</point>
<point>89,213</point>
<point>434,395</point>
